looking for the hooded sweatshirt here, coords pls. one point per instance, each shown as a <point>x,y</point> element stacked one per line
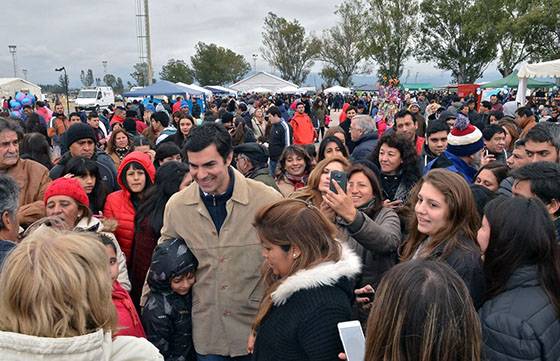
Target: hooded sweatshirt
<point>167,315</point>
<point>119,204</point>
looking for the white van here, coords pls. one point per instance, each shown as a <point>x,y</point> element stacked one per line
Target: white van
<point>95,98</point>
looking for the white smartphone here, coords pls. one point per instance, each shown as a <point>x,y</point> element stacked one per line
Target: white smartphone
<point>353,340</point>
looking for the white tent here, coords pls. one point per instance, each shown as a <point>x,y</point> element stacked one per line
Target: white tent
<point>262,79</point>
<point>287,90</point>
<point>337,89</point>
<point>9,87</point>
<point>545,69</point>
<point>196,87</point>
<point>259,90</point>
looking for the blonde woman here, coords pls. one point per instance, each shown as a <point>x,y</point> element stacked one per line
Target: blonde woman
<point>309,276</point>
<point>56,303</point>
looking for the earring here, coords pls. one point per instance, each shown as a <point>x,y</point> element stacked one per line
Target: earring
<point>295,256</point>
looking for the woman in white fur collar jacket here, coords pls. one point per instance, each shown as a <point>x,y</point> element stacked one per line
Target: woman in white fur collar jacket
<point>309,275</point>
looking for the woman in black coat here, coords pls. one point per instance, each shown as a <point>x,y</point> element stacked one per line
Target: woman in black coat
<point>309,275</point>
<point>521,316</point>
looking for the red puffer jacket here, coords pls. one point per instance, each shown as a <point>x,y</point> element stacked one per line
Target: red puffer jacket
<point>119,206</point>
<point>129,321</point>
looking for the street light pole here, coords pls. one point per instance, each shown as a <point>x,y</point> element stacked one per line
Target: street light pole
<point>24,71</point>
<point>255,57</point>
<point>66,87</point>
<point>12,49</point>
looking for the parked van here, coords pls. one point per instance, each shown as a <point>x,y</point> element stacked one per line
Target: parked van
<point>95,98</point>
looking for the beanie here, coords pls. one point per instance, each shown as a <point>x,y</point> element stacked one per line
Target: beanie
<point>465,139</point>
<point>79,131</point>
<point>150,107</point>
<point>69,187</point>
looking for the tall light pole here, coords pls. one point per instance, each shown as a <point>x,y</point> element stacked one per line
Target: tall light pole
<point>104,62</point>
<point>255,57</point>
<point>24,71</point>
<point>65,87</point>
<point>13,52</point>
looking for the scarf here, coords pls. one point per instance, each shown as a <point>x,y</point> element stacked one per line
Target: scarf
<point>122,152</point>
<point>297,181</point>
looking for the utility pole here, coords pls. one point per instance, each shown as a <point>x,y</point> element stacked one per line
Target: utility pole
<point>148,42</point>
<point>24,71</point>
<point>104,63</point>
<point>12,49</point>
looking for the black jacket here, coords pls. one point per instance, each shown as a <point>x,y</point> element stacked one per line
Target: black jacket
<point>107,169</point>
<point>166,316</point>
<point>521,323</point>
<point>307,306</point>
<point>467,262</point>
<point>5,248</point>
<point>278,139</point>
<point>364,147</point>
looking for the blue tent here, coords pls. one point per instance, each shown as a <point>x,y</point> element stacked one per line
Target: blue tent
<point>162,87</point>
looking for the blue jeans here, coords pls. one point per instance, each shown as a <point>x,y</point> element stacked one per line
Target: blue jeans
<point>222,358</point>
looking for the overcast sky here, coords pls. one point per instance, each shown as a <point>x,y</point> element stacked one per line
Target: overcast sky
<point>80,34</point>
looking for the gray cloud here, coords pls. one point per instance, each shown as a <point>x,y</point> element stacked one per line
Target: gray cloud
<point>80,35</point>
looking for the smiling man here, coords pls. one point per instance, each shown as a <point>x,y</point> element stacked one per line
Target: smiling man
<point>31,177</point>
<point>214,216</point>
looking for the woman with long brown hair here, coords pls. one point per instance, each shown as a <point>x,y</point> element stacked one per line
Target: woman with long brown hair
<point>120,144</point>
<point>294,167</point>
<point>422,311</point>
<point>444,227</point>
<point>308,274</point>
<point>319,182</point>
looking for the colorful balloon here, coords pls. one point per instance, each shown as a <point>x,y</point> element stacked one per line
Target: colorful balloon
<point>15,105</point>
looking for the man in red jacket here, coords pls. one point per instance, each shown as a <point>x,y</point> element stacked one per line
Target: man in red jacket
<point>303,130</point>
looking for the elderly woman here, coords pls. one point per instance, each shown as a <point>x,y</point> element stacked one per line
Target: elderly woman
<point>309,277</point>
<point>67,208</point>
<point>56,303</point>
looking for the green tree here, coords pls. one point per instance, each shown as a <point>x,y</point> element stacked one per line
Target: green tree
<point>140,74</point>
<point>520,24</point>
<point>110,80</point>
<point>176,71</point>
<point>119,86</point>
<point>286,48</point>
<point>548,39</point>
<point>341,45</point>
<point>458,35</point>
<point>330,76</point>
<point>213,64</point>
<point>86,78</point>
<point>391,26</point>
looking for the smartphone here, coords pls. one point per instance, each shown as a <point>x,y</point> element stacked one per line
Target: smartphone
<point>339,177</point>
<point>353,340</point>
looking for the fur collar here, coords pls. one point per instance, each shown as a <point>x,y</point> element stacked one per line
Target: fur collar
<point>324,274</point>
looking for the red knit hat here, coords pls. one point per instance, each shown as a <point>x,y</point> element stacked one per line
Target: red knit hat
<point>69,187</point>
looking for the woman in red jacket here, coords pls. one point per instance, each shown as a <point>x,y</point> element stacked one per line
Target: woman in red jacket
<point>135,175</point>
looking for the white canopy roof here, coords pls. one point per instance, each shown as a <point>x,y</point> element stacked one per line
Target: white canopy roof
<point>196,87</point>
<point>545,69</point>
<point>287,90</point>
<point>337,89</point>
<point>259,90</point>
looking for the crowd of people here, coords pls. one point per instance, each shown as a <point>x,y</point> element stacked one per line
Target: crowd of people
<point>249,230</point>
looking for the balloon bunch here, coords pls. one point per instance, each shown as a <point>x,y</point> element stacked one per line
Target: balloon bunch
<point>20,100</point>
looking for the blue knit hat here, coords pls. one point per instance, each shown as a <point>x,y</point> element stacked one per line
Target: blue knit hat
<point>464,139</point>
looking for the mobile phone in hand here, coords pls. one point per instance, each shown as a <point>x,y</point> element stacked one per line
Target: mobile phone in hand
<point>339,177</point>
<point>353,340</point>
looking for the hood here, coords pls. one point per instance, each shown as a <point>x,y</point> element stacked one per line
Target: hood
<point>140,158</point>
<point>171,258</point>
<point>324,274</point>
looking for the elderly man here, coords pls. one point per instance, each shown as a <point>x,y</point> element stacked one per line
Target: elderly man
<point>364,137</point>
<point>252,161</point>
<point>31,177</point>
